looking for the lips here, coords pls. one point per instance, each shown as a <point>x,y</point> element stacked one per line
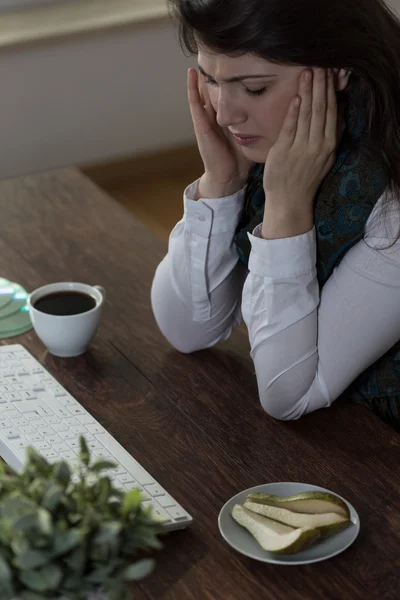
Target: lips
<point>245,140</point>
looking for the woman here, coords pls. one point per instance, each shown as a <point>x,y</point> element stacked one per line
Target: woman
<point>294,225</point>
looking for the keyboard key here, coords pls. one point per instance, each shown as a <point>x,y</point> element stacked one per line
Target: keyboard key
<point>45,431</point>
<point>22,371</point>
<point>18,387</point>
<point>26,395</point>
<point>95,428</point>
<point>68,454</point>
<point>60,426</point>
<point>26,430</point>
<point>11,413</point>
<point>62,447</point>
<point>33,437</point>
<point>78,429</point>
<point>50,454</point>
<point>20,422</point>
<point>163,515</point>
<point>67,400</point>
<point>53,439</point>
<point>52,420</point>
<point>44,411</point>
<point>60,410</point>
<point>71,422</point>
<point>127,478</point>
<point>118,470</point>
<point>154,490</point>
<point>5,424</point>
<point>66,435</point>
<point>42,445</point>
<point>37,423</point>
<point>166,501</point>
<point>74,443</point>
<point>10,433</point>
<point>20,444</point>
<point>77,410</point>
<point>177,513</point>
<point>13,396</point>
<point>30,415</point>
<point>50,384</point>
<point>85,419</point>
<point>58,392</point>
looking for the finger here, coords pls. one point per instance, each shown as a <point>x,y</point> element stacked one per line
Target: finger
<point>305,92</point>
<point>332,110</point>
<point>206,98</point>
<point>318,116</point>
<point>287,134</point>
<point>196,103</point>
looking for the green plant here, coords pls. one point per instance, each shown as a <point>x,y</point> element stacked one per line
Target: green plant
<point>63,537</point>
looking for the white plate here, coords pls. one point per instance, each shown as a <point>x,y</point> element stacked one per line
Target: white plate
<point>242,541</point>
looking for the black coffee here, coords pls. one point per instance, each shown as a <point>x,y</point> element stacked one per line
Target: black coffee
<point>65,303</point>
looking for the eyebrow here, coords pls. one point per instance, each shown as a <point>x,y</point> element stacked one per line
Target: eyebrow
<point>237,78</point>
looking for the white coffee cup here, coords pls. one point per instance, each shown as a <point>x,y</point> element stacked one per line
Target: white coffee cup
<point>66,335</point>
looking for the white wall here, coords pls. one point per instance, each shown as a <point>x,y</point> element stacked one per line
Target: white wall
<point>92,97</point>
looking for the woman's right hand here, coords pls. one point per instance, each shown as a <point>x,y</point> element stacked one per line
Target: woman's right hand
<point>226,168</point>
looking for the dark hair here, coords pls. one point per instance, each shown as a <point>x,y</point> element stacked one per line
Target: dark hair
<point>361,35</point>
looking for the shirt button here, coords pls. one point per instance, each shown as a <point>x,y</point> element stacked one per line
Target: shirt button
<point>201,218</point>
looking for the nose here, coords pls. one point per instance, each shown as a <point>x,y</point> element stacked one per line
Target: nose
<point>228,110</point>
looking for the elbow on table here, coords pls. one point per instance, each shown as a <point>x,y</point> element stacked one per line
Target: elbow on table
<point>274,407</point>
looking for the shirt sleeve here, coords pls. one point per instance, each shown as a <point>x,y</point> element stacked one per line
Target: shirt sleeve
<point>308,348</point>
<point>196,290</point>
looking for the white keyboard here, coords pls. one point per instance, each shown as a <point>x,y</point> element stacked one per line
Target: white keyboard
<point>35,410</point>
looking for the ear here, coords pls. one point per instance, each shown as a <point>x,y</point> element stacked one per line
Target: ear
<point>342,79</point>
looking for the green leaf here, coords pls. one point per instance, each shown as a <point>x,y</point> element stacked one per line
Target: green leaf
<point>52,497</point>
<point>32,559</point>
<point>26,522</point>
<point>73,582</point>
<point>64,541</point>
<point>5,571</point>
<point>44,580</point>
<point>108,532</point>
<point>29,595</point>
<point>139,570</point>
<point>45,522</point>
<point>62,473</point>
<point>102,465</point>
<point>16,506</point>
<point>100,575</point>
<point>131,502</point>
<point>77,559</point>
<point>19,545</point>
<point>34,459</point>
<point>84,453</point>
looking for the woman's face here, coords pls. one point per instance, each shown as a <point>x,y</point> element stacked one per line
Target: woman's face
<point>250,96</point>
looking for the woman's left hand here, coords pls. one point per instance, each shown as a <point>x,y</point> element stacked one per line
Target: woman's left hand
<point>302,156</point>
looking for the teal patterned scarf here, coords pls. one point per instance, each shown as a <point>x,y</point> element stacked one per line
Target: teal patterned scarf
<point>343,204</point>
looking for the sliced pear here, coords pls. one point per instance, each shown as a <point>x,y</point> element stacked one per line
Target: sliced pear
<point>306,502</point>
<point>273,536</point>
<point>327,523</point>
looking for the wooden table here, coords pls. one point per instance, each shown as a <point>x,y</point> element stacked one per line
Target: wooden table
<point>194,421</point>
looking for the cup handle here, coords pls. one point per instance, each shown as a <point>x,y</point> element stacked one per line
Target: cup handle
<point>101,290</point>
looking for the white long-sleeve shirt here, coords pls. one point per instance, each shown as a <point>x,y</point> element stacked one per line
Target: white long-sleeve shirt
<point>307,348</point>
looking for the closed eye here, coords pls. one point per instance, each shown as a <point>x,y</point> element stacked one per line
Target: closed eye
<point>211,81</point>
<point>260,92</point>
